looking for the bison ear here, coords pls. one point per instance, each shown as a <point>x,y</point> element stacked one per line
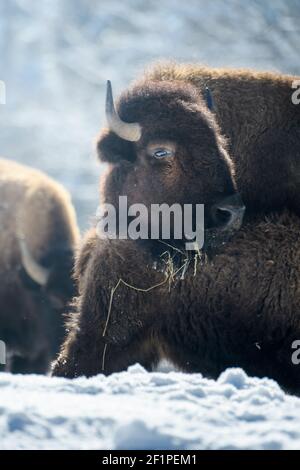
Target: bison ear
<point>209,99</point>
<point>111,148</point>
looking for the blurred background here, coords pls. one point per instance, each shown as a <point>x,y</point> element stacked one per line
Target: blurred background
<point>56,55</point>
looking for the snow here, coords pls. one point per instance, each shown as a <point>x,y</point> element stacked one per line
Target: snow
<point>140,410</point>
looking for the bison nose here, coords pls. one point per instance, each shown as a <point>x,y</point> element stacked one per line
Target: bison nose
<point>228,214</point>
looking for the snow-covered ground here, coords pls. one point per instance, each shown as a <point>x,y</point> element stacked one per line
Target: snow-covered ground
<point>139,410</point>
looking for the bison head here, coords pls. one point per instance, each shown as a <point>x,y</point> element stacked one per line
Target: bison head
<point>163,145</point>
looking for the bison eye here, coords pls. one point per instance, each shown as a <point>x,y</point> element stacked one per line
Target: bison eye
<point>162,153</point>
<point>161,149</point>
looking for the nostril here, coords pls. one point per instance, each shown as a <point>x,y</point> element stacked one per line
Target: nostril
<point>228,213</point>
<point>221,216</point>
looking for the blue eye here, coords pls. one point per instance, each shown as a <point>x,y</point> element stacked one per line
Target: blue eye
<point>162,153</point>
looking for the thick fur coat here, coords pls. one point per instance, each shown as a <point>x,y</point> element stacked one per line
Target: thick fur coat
<point>237,304</point>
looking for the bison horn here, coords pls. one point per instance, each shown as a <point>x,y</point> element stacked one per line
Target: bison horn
<point>37,272</point>
<point>127,131</point>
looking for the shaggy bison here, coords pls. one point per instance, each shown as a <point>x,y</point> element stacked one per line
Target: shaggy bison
<point>37,238</point>
<point>234,304</point>
<point>256,113</point>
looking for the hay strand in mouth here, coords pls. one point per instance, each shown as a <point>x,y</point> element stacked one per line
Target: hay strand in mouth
<point>169,277</point>
<point>112,293</point>
<point>138,289</point>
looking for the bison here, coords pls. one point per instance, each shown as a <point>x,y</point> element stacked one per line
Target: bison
<point>235,303</point>
<point>38,237</point>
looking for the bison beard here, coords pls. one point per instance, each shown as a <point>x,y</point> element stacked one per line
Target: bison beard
<point>240,306</point>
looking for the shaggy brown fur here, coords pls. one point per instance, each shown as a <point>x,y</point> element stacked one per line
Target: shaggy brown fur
<point>242,309</point>
<point>240,306</point>
<point>255,111</point>
<point>31,322</point>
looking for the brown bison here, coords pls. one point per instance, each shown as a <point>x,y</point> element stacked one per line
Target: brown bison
<point>233,304</point>
<point>37,238</point>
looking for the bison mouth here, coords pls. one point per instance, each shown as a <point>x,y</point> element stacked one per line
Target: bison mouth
<point>216,238</point>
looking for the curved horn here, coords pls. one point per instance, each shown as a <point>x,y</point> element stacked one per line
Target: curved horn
<point>36,271</point>
<point>127,131</point>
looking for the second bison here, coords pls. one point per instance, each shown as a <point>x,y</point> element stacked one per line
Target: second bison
<point>38,237</point>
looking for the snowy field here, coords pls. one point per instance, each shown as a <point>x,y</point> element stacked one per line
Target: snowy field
<point>138,410</point>
<point>55,59</point>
